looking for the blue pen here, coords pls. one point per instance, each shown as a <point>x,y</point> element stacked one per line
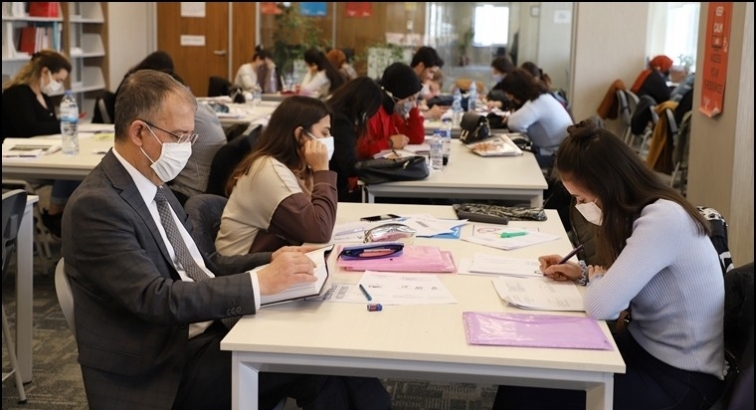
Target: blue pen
<point>365,292</point>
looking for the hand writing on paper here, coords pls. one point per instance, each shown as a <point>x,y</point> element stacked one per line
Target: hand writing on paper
<point>398,141</point>
<point>552,269</point>
<point>286,270</point>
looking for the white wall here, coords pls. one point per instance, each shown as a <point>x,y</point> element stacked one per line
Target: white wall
<point>527,47</point>
<point>131,37</point>
<point>554,43</point>
<point>610,43</point>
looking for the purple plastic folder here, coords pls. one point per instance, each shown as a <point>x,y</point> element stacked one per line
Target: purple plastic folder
<point>515,329</point>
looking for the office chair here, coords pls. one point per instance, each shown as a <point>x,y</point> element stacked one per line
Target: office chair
<point>104,111</point>
<point>205,211</point>
<point>14,203</point>
<point>218,86</point>
<point>65,296</point>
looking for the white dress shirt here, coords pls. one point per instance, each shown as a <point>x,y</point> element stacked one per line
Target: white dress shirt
<point>316,86</point>
<point>147,190</point>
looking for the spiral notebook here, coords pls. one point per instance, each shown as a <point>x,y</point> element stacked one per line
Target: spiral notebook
<point>524,330</point>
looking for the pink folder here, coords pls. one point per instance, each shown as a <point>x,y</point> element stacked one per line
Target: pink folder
<point>429,259</point>
<point>516,329</point>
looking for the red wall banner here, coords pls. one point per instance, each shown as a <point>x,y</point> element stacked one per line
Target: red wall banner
<point>715,58</point>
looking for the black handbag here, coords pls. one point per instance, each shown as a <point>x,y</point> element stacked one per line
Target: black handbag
<point>474,127</point>
<point>380,170</point>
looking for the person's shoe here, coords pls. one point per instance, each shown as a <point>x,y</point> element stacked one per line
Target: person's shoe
<point>53,223</point>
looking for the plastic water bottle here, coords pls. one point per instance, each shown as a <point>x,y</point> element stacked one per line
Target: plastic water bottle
<point>446,134</point>
<point>472,99</point>
<point>437,150</point>
<point>256,95</point>
<point>69,124</point>
<point>457,107</point>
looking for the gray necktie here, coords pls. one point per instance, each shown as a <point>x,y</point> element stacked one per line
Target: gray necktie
<point>183,255</point>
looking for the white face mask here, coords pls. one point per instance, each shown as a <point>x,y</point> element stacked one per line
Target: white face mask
<point>591,212</point>
<point>52,87</point>
<point>327,141</point>
<point>173,158</point>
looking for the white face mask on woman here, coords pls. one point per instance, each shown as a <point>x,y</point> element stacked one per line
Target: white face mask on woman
<point>327,141</point>
<point>591,212</point>
<point>173,158</point>
<point>52,87</point>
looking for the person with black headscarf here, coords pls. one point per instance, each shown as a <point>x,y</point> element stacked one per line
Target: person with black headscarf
<point>398,121</point>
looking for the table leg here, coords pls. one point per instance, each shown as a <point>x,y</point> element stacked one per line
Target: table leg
<point>24,294</point>
<point>537,201</point>
<point>245,386</point>
<point>601,397</point>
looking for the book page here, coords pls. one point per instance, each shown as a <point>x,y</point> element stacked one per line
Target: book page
<point>307,289</point>
<point>539,294</point>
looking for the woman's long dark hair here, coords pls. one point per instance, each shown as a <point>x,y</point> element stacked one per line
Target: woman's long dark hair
<point>279,140</point>
<point>359,100</point>
<point>523,86</point>
<point>599,162</point>
<point>316,57</point>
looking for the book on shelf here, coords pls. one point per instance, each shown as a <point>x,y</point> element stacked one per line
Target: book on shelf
<point>308,289</point>
<point>32,39</point>
<point>48,9</point>
<point>14,9</point>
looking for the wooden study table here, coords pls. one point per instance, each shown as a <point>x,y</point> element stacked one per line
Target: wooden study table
<point>469,176</point>
<point>424,342</point>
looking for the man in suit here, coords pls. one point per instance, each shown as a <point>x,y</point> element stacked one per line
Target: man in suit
<point>150,313</point>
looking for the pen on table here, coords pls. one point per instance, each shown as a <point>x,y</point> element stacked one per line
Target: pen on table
<point>512,234</point>
<point>365,292</point>
<point>570,255</point>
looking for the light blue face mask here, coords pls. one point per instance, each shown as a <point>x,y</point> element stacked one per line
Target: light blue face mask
<point>403,109</point>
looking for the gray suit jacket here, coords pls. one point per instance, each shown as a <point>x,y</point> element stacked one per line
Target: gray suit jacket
<point>132,309</point>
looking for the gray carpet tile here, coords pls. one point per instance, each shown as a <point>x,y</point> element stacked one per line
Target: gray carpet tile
<point>57,383</point>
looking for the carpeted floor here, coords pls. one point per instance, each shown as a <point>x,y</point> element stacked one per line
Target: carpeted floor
<point>58,384</point>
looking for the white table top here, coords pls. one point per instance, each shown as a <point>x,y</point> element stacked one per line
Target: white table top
<point>58,166</point>
<point>425,333</point>
<point>468,173</point>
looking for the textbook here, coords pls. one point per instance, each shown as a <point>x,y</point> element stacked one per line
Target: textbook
<point>305,290</point>
<point>29,148</point>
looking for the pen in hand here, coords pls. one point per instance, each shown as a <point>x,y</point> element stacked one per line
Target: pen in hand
<point>365,292</point>
<point>571,254</point>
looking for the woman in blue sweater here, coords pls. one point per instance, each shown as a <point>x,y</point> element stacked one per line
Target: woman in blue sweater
<point>656,260</point>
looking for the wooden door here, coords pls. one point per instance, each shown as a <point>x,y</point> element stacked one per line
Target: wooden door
<point>195,62</point>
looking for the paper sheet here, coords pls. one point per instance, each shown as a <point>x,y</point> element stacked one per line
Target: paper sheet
<point>491,236</point>
<point>539,294</point>
<point>498,265</point>
<point>342,293</point>
<point>406,289</point>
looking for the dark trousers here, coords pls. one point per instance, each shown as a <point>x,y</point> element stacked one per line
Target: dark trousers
<point>648,384</point>
<point>206,383</point>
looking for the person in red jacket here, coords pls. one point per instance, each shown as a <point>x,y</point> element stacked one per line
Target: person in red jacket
<point>398,121</point>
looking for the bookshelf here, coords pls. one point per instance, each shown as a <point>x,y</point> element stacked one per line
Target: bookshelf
<point>78,30</point>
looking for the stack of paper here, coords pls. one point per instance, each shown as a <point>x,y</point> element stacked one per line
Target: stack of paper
<point>29,148</point>
<point>405,289</point>
<point>427,226</point>
<point>498,265</point>
<point>539,294</point>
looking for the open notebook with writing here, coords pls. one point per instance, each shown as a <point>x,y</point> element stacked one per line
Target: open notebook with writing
<point>29,148</point>
<point>308,289</point>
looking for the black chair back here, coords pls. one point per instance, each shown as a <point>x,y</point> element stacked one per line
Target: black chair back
<point>218,86</point>
<point>104,110</point>
<point>14,203</point>
<point>226,160</point>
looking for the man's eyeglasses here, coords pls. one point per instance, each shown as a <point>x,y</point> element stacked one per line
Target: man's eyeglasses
<point>189,137</point>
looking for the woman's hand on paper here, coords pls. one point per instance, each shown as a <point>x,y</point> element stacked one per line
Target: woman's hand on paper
<point>398,141</point>
<point>286,270</point>
<point>552,269</point>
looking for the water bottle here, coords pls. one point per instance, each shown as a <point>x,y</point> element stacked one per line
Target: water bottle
<point>437,150</point>
<point>256,95</point>
<point>457,107</point>
<point>446,134</point>
<point>69,124</point>
<point>472,97</point>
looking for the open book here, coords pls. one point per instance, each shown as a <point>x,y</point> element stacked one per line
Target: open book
<point>305,290</point>
<point>29,148</point>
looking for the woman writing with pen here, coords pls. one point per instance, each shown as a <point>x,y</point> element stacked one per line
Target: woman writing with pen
<point>657,260</point>
<point>398,121</point>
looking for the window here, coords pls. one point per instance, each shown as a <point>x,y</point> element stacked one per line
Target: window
<point>491,25</point>
<point>681,39</point>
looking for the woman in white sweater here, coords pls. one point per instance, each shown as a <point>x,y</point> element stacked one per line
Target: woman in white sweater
<point>322,78</point>
<point>657,261</point>
<point>538,114</point>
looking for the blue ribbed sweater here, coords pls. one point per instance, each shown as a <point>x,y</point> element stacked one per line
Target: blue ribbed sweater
<point>669,276</point>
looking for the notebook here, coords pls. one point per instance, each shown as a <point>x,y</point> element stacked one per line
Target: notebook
<point>524,330</point>
<point>29,148</point>
<point>305,290</point>
<point>429,259</point>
